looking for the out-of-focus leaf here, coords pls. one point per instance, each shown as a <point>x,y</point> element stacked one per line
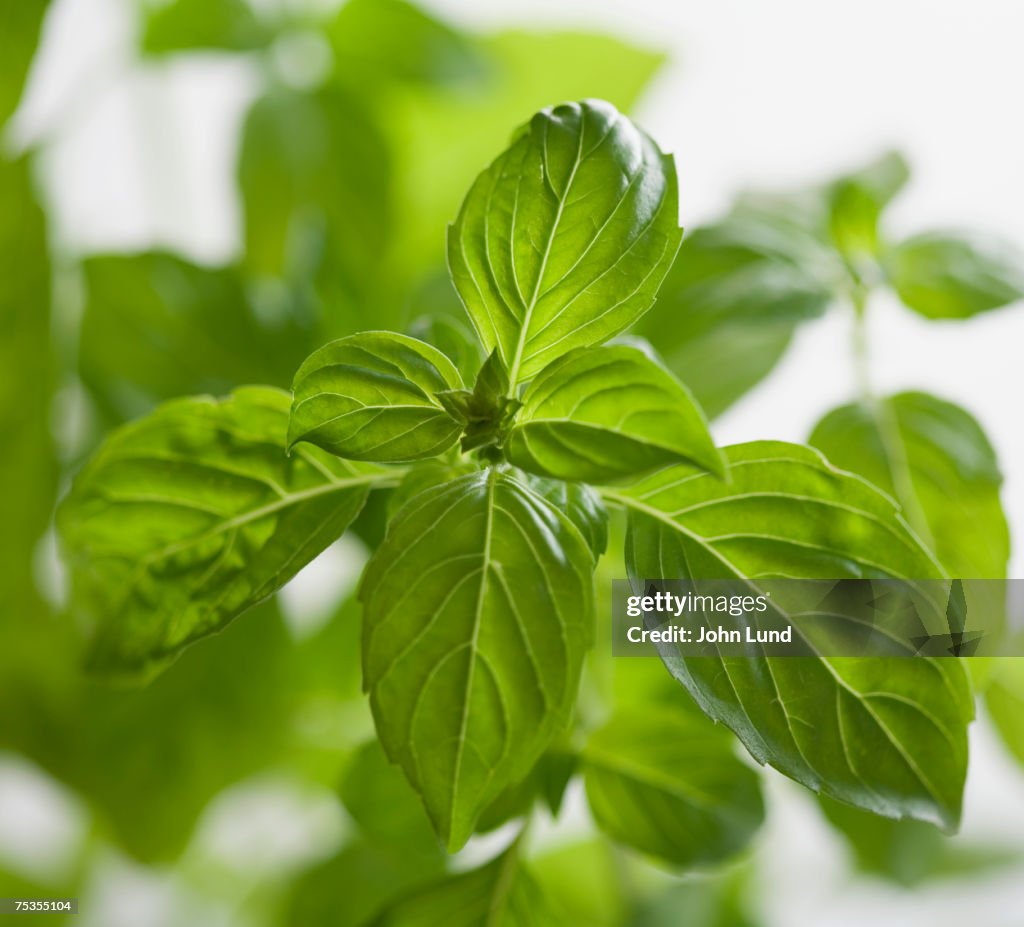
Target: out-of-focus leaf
<point>188,25</point>
<point>942,276</point>
<point>157,327</point>
<point>315,178</point>
<point>584,882</point>
<point>452,337</point>
<point>731,302</point>
<point>668,783</point>
<point>502,893</point>
<point>907,852</point>
<point>477,615</point>
<point>372,396</point>
<point>383,804</point>
<point>885,734</point>
<point>1005,700</point>
<point>351,889</point>
<point>934,458</point>
<point>705,902</point>
<point>564,240</point>
<point>20,24</point>
<point>28,469</point>
<point>856,202</point>
<point>248,701</point>
<point>602,414</point>
<point>387,40</point>
<point>186,518</point>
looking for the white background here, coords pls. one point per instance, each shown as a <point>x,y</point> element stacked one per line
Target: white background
<point>758,94</point>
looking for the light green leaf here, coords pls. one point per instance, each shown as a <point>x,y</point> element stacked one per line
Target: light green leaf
<point>1005,700</point>
<point>668,783</point>
<point>944,276</point>
<point>856,202</point>
<point>186,518</point>
<point>187,25</point>
<point>501,894</point>
<point>564,240</point>
<point>391,40</point>
<point>478,610</point>
<point>732,300</point>
<point>602,414</point>
<point>371,396</point>
<point>886,734</point>
<point>934,458</point>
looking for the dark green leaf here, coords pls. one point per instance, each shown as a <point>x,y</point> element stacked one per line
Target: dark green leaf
<point>315,179</point>
<point>945,276</point>
<point>564,240</point>
<point>668,783</point>
<point>933,457</point>
<point>581,504</point>
<point>602,414</point>
<point>157,327</point>
<point>371,396</point>
<point>187,25</point>
<point>188,517</point>
<point>885,734</point>
<point>477,614</point>
<point>501,894</point>
<point>28,466</point>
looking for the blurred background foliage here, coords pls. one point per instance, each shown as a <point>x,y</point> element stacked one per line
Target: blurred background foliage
<point>370,121</point>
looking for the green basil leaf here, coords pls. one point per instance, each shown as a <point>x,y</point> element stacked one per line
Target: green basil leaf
<point>392,40</point>
<point>503,894</point>
<point>667,783</point>
<point>934,458</point>
<point>315,175</point>
<point>20,27</point>
<point>453,337</point>
<point>478,610</point>
<point>857,200</point>
<point>186,518</point>
<point>1005,700</point>
<point>156,327</point>
<point>371,397</point>
<point>602,414</point>
<point>379,799</point>
<point>732,300</point>
<point>187,25</point>
<point>581,504</point>
<point>28,466</point>
<point>944,276</point>
<point>564,240</point>
<point>886,734</point>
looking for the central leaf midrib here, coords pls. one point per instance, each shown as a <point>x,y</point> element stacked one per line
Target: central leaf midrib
<point>528,315</point>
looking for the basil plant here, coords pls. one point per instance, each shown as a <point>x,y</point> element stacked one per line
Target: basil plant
<point>478,605</point>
